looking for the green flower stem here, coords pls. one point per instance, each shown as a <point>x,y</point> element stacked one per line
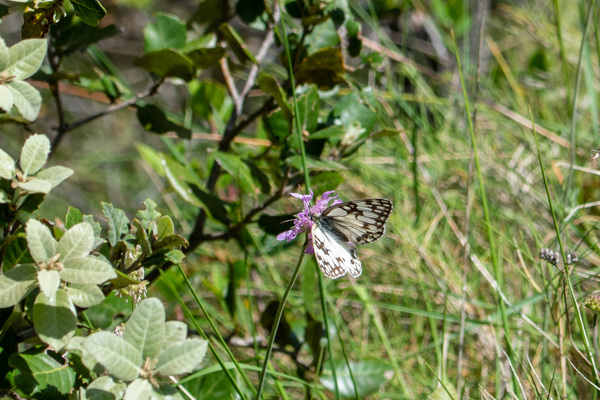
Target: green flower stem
<point>288,289</point>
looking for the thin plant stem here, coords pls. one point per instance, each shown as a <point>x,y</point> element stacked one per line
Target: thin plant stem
<point>205,337</point>
<point>326,323</point>
<point>278,315</point>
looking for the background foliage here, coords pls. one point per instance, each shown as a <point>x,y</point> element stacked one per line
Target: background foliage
<point>176,132</point>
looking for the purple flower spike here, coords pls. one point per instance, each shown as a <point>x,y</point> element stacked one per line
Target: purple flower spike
<point>303,221</point>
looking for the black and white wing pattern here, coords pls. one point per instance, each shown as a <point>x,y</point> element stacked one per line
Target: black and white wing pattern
<point>342,226</point>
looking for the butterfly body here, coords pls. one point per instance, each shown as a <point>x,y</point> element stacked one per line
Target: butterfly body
<point>340,227</point>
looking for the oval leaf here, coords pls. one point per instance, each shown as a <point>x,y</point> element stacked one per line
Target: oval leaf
<point>182,357</point>
<point>85,296</point>
<point>54,319</point>
<point>16,284</point>
<point>54,175</point>
<point>120,358</point>
<point>48,281</point>
<point>76,242</point>
<point>369,376</point>
<point>26,57</point>
<point>40,241</point>
<point>88,269</point>
<point>7,164</point>
<point>146,327</point>
<point>34,154</point>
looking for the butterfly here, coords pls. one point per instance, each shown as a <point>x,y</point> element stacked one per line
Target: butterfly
<point>340,227</point>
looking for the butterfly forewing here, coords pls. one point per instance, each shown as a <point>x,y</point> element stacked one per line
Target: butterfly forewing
<point>361,221</point>
<point>340,227</point>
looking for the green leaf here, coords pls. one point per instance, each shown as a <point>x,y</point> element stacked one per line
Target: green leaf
<point>445,392</point>
<point>236,168</point>
<point>4,55</point>
<point>333,131</point>
<point>73,217</point>
<point>326,181</point>
<point>322,165</point>
<point>153,119</point>
<point>177,176</point>
<point>269,84</point>
<point>54,319</point>
<point>35,185</point>
<point>275,224</point>
<point>149,214</point>
<point>175,331</point>
<point>167,63</point>
<point>139,389</point>
<point>120,358</point>
<point>45,370</point>
<point>118,224</point>
<point>16,283</point>
<point>165,227</point>
<point>351,110</point>
<point>16,252</point>
<point>249,10</point>
<point>207,98</point>
<point>54,175</point>
<point>167,32</point>
<point>34,154</point>
<point>105,388</point>
<point>142,238</point>
<point>85,296</point>
<point>76,242</point>
<point>25,98</point>
<point>206,57</point>
<point>237,44</point>
<point>7,165</point>
<point>369,377</point>
<point>6,98</point>
<point>48,281</point>
<point>308,110</point>
<point>40,241</point>
<point>325,68</point>
<point>88,269</point>
<point>146,327</point>
<point>175,256</point>
<point>182,357</point>
<point>170,242</point>
<point>324,35</point>
<point>90,11</point>
<point>25,58</point>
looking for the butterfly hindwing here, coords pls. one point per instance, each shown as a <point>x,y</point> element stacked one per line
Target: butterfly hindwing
<point>342,226</point>
<point>335,256</point>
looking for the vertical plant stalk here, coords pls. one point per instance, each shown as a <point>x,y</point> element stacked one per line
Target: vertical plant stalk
<point>278,315</point>
<point>205,337</point>
<point>326,323</point>
<point>574,105</point>
<point>487,218</point>
<point>561,48</point>
<point>565,271</point>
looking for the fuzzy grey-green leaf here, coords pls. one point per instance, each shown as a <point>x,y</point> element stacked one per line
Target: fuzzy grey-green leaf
<point>54,175</point>
<point>48,281</point>
<point>54,319</point>
<point>88,269</point>
<point>85,296</point>
<point>40,241</point>
<point>26,57</point>
<point>16,283</point>
<point>77,241</point>
<point>120,358</point>
<point>34,154</point>
<point>7,164</point>
<point>182,357</point>
<point>146,327</point>
<point>26,98</point>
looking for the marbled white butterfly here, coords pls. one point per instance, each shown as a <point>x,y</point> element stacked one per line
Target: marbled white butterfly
<point>340,227</point>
